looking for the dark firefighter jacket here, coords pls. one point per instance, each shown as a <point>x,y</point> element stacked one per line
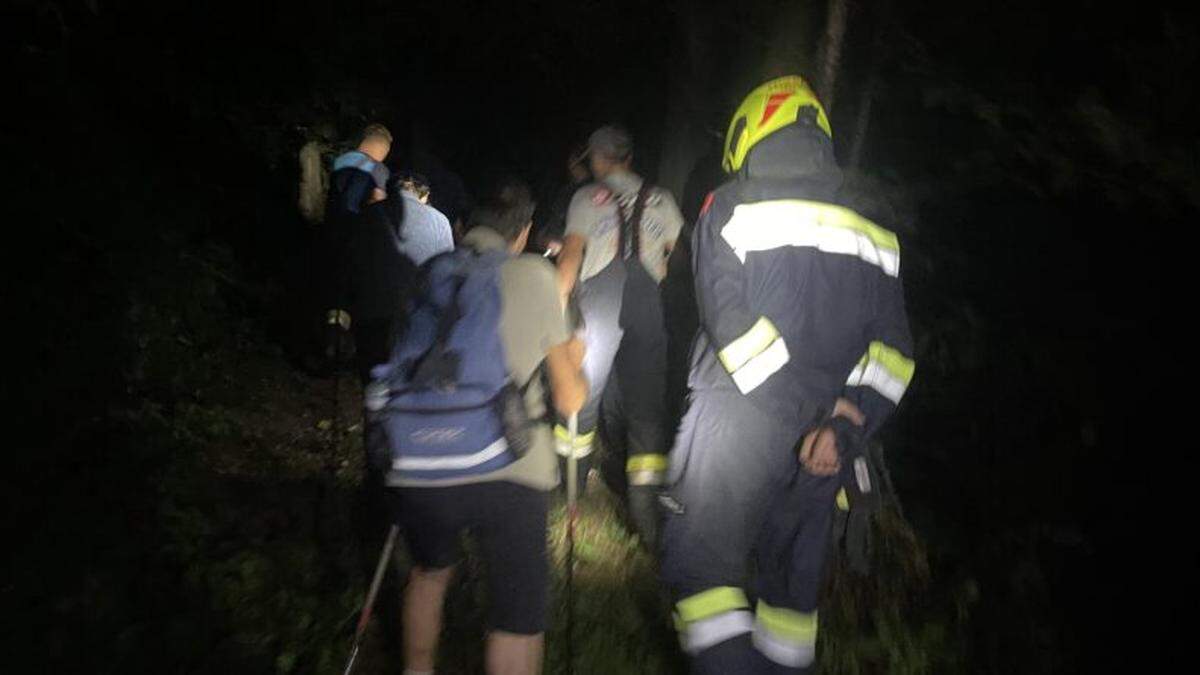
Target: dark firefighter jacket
<point>800,301</point>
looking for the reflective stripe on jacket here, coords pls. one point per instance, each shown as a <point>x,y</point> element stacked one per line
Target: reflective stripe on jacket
<point>800,302</point>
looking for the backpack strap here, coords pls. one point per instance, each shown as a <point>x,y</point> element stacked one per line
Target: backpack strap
<point>355,160</point>
<point>631,228</point>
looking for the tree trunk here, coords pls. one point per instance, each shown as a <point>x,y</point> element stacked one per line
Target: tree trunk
<point>684,135</point>
<point>830,57</point>
<point>878,53</point>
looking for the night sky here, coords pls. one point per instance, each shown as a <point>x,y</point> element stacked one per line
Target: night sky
<point>1039,162</point>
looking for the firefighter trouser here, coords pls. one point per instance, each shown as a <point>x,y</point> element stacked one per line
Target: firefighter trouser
<point>626,367</point>
<point>738,500</point>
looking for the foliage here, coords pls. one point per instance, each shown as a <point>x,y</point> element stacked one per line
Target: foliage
<point>893,620</point>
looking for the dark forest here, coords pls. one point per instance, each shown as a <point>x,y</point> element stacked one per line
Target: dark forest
<point>180,491</point>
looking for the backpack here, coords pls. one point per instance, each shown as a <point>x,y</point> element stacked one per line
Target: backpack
<point>444,401</point>
<point>314,182</point>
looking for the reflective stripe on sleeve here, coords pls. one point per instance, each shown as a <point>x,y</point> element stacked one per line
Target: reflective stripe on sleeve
<point>785,636</point>
<point>765,226</point>
<point>758,369</point>
<point>647,469</point>
<point>885,370</point>
<point>750,344</point>
<point>755,355</point>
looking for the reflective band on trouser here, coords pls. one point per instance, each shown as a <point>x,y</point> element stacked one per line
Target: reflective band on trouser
<point>583,442</point>
<point>338,317</point>
<point>712,617</point>
<point>646,469</point>
<point>754,356</point>
<point>785,636</point>
<point>883,369</point>
<point>769,225</point>
<point>843,502</point>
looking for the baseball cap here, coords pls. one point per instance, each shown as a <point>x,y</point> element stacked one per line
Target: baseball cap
<point>611,142</point>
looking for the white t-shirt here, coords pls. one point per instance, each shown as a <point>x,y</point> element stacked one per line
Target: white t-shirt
<point>593,215</point>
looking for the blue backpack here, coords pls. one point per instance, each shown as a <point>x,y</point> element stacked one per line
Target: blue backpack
<point>444,401</point>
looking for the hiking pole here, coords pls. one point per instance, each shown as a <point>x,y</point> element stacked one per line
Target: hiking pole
<point>572,512</point>
<point>369,603</point>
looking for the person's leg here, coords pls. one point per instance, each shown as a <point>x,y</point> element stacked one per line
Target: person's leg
<point>641,388</point>
<point>431,519</point>
<point>423,600</point>
<point>640,372</point>
<point>513,654</point>
<point>634,455</point>
<point>791,554</point>
<point>599,301</point>
<point>612,433</point>
<point>511,528</point>
<point>726,458</point>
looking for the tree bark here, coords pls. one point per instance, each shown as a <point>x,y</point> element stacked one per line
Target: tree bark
<point>684,134</point>
<point>830,57</point>
<point>863,119</point>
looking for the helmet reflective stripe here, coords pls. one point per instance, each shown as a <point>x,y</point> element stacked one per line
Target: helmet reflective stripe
<point>766,110</point>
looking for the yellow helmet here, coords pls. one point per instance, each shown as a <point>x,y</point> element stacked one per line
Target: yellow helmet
<point>766,110</point>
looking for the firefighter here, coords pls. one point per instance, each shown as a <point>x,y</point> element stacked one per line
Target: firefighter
<point>803,351</point>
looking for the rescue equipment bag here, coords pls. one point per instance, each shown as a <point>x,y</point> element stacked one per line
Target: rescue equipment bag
<point>444,400</point>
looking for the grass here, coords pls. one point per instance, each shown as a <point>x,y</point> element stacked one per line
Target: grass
<point>266,528</point>
<point>620,621</point>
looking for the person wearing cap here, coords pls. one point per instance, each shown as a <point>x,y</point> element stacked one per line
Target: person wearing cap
<point>803,352</point>
<point>620,231</point>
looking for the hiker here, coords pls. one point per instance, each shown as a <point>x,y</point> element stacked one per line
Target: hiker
<point>382,278</point>
<point>359,179</point>
<point>488,333</point>
<point>425,231</point>
<point>620,231</point>
<point>804,351</point>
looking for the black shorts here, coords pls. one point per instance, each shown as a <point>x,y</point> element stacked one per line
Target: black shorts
<point>509,523</point>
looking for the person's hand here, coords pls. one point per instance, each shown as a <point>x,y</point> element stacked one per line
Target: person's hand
<point>576,350</point>
<point>844,408</point>
<point>819,452</point>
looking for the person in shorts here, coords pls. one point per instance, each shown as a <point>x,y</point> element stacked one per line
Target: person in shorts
<point>504,509</point>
